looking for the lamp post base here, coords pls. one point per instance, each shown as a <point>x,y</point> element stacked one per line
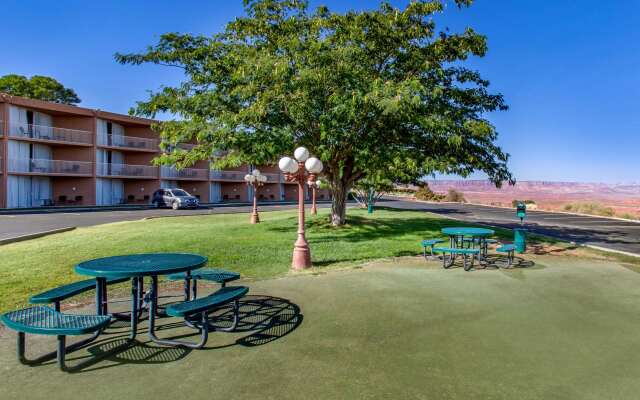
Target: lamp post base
<point>255,218</point>
<point>301,256</point>
<point>314,210</point>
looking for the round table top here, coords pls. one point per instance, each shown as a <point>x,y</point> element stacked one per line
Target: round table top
<point>141,265</point>
<point>467,231</point>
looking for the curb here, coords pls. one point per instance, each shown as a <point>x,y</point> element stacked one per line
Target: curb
<point>608,250</point>
<point>35,235</point>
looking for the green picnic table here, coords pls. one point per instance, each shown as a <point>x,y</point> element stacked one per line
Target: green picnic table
<point>137,267</point>
<point>457,235</point>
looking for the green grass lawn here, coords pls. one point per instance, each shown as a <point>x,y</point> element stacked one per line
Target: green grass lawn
<point>256,251</point>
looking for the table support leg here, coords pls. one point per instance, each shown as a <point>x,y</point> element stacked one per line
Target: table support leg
<point>135,299</point>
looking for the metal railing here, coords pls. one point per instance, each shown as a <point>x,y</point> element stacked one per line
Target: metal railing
<point>43,166</point>
<point>42,132</point>
<point>124,170</point>
<point>227,175</point>
<point>274,178</point>
<point>185,173</point>
<point>128,142</point>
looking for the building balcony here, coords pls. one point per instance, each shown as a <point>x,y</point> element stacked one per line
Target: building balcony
<point>228,176</point>
<point>49,167</point>
<point>126,171</point>
<point>129,142</point>
<point>185,173</point>
<point>274,178</point>
<point>50,134</point>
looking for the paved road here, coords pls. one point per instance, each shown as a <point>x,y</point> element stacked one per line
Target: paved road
<point>596,231</point>
<point>25,224</point>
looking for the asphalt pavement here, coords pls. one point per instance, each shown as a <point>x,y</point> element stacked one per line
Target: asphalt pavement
<point>20,224</point>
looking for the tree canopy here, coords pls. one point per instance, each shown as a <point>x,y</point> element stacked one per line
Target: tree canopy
<point>365,91</point>
<point>39,88</point>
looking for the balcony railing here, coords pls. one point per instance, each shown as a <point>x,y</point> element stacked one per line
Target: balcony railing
<point>43,166</point>
<point>53,133</point>
<point>126,170</point>
<point>128,142</point>
<point>274,178</point>
<point>185,173</point>
<point>227,175</point>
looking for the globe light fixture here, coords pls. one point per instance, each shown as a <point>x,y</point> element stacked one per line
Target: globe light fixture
<point>303,171</point>
<point>255,179</point>
<point>314,187</point>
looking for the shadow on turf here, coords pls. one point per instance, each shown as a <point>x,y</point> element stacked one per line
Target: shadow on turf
<point>264,318</point>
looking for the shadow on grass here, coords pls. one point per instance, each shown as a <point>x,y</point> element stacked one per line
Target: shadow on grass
<point>370,228</point>
<point>264,318</point>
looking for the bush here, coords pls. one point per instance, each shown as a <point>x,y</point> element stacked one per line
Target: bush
<point>514,203</point>
<point>589,208</point>
<point>424,192</point>
<point>455,196</point>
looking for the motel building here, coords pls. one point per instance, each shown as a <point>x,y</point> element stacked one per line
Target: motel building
<point>61,155</point>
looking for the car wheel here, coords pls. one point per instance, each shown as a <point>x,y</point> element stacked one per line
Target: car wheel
<point>175,205</point>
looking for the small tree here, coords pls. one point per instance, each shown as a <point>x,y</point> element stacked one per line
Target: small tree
<point>368,191</point>
<point>364,91</point>
<point>39,88</point>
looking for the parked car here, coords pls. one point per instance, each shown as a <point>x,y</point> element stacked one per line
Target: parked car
<point>174,198</point>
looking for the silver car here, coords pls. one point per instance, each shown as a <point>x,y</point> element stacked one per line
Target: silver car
<point>174,198</point>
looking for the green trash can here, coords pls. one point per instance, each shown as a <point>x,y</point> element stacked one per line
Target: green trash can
<point>520,240</point>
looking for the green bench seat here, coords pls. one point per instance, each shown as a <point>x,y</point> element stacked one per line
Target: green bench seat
<point>43,320</point>
<point>58,294</point>
<point>223,296</point>
<point>202,307</point>
<point>453,252</point>
<point>510,250</point>
<point>429,243</point>
<point>220,276</point>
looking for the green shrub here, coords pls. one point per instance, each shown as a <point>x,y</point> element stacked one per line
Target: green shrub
<point>424,192</point>
<point>590,208</point>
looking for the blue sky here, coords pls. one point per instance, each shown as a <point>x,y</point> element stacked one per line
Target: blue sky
<point>569,70</point>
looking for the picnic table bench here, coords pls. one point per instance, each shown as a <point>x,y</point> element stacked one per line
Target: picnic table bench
<point>43,320</point>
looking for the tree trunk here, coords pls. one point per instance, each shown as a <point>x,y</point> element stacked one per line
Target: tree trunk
<point>339,192</point>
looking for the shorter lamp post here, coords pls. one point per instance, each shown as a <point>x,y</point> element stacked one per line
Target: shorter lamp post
<point>255,179</point>
<point>301,170</point>
<point>314,188</point>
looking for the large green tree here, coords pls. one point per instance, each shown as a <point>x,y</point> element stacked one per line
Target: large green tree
<point>38,87</point>
<point>364,90</point>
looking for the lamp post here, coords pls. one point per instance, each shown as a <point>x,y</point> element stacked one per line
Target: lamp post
<point>314,187</point>
<point>301,170</point>
<point>255,179</point>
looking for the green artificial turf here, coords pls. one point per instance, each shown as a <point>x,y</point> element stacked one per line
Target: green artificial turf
<point>256,251</point>
<point>561,328</point>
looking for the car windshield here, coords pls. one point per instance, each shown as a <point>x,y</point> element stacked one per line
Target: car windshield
<point>179,192</point>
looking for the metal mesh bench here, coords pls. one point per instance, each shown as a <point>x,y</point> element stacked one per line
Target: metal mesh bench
<point>220,276</point>
<point>429,243</point>
<point>202,307</point>
<point>454,252</point>
<point>60,293</point>
<point>42,320</point>
<point>509,249</point>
